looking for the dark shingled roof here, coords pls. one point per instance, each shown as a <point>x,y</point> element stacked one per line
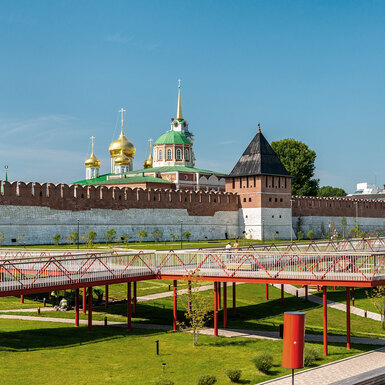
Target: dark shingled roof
<point>259,159</point>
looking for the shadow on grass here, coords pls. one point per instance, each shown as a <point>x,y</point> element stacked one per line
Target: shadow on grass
<point>64,337</point>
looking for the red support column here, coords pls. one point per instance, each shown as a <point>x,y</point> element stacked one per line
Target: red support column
<point>267,291</point>
<point>134,300</point>
<point>348,318</point>
<point>189,295</point>
<point>22,298</point>
<point>129,305</point>
<point>325,307</point>
<point>282,295</point>
<point>76,307</point>
<point>90,309</point>
<point>215,309</point>
<point>234,299</point>
<point>175,308</point>
<point>84,300</point>
<point>219,295</point>
<point>306,292</point>
<point>224,305</point>
<point>106,297</point>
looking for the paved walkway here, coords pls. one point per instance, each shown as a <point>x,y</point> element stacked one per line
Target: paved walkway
<point>337,372</point>
<point>335,305</point>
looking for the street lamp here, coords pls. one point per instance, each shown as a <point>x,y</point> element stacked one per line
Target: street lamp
<point>78,232</point>
<point>181,238</point>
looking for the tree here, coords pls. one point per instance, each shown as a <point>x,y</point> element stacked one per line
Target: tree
<point>126,238</point>
<point>186,235</point>
<point>91,237</point>
<point>310,234</point>
<point>377,298</point>
<point>141,235</point>
<point>74,238</point>
<point>110,234</point>
<point>329,191</point>
<point>197,305</point>
<point>157,235</point>
<point>298,160</point>
<point>172,236</point>
<point>56,239</point>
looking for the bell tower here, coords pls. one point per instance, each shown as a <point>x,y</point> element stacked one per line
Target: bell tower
<point>264,189</point>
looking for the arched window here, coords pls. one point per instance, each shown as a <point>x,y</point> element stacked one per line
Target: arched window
<point>169,154</point>
<point>178,154</point>
<point>160,155</point>
<point>186,157</point>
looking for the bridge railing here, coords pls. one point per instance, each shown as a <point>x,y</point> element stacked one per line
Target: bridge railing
<point>27,273</point>
<point>317,266</point>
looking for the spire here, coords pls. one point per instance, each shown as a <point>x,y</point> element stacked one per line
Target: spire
<point>259,128</point>
<point>6,173</point>
<point>179,107</point>
<point>92,143</point>
<point>122,111</point>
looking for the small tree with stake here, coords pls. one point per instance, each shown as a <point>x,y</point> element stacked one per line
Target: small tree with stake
<point>198,307</point>
<point>377,298</point>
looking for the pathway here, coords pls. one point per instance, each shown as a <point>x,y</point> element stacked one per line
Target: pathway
<point>350,370</point>
<point>290,289</point>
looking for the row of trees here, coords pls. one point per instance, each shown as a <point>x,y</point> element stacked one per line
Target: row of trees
<point>110,237</point>
<point>299,161</point>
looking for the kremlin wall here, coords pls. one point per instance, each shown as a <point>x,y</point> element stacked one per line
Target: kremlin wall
<point>169,194</point>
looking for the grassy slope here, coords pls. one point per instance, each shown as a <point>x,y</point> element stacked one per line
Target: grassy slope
<point>58,354</point>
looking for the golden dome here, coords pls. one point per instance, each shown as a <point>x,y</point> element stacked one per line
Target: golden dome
<point>92,161</point>
<point>122,160</point>
<point>148,162</point>
<point>122,144</point>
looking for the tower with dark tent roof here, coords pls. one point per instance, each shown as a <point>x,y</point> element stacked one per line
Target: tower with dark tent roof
<point>264,188</point>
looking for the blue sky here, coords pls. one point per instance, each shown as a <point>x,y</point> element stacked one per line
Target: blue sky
<point>308,70</point>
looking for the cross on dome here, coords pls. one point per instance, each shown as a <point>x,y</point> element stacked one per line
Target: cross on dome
<point>122,111</point>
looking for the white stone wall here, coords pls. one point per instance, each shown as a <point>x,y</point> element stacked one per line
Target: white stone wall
<point>266,223</point>
<point>320,223</point>
<point>40,224</point>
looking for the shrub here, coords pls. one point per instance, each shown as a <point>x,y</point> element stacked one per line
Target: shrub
<point>186,235</point>
<point>56,239</point>
<point>311,355</point>
<point>207,380</point>
<point>310,234</point>
<point>91,237</point>
<point>300,235</point>
<point>141,235</point>
<point>110,234</point>
<point>157,235</point>
<point>263,362</point>
<point>163,381</point>
<point>74,238</point>
<point>234,374</point>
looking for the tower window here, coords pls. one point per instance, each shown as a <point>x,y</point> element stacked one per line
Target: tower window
<point>269,199</point>
<point>244,199</point>
<point>169,154</point>
<point>249,199</point>
<point>160,155</point>
<point>178,154</point>
<point>186,157</point>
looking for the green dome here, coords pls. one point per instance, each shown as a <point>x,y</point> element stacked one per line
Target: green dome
<point>172,137</point>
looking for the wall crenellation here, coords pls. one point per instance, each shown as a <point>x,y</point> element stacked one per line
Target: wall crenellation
<point>78,198</point>
<point>337,207</point>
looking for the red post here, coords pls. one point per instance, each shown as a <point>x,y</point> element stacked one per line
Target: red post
<point>325,307</point>
<point>306,292</point>
<point>224,305</point>
<point>106,297</point>
<point>76,307</point>
<point>134,300</point>
<point>189,295</point>
<point>22,298</point>
<point>90,309</point>
<point>215,309</point>
<point>129,306</point>
<point>234,299</point>
<point>282,295</point>
<point>175,309</point>
<point>348,318</point>
<point>267,291</point>
<point>84,300</point>
<point>219,295</point>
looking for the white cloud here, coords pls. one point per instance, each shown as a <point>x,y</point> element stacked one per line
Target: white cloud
<point>118,38</point>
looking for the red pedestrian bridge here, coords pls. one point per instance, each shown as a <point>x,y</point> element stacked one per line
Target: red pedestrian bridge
<point>353,263</point>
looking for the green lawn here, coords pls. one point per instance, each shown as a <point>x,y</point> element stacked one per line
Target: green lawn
<point>53,353</point>
<point>253,313</point>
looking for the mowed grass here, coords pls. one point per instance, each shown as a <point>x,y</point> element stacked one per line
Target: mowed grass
<point>253,312</point>
<point>53,353</point>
